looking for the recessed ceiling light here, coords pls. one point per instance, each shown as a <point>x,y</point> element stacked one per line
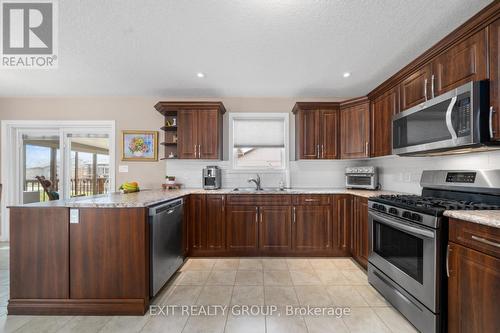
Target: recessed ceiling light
<point>346,74</point>
<point>200,75</point>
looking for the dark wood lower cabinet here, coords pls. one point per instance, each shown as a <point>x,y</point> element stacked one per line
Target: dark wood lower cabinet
<point>242,229</point>
<point>215,222</point>
<point>312,229</point>
<point>359,236</point>
<point>275,230</point>
<point>342,222</point>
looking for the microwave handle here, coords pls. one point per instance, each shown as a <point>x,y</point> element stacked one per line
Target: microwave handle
<point>449,124</point>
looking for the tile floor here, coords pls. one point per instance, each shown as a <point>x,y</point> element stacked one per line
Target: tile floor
<point>317,282</point>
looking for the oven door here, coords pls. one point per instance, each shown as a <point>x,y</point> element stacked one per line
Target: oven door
<point>407,254</point>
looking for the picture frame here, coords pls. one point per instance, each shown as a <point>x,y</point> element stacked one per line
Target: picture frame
<point>139,146</point>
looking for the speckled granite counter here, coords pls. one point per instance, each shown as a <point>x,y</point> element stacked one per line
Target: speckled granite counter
<point>487,217</point>
<point>151,197</point>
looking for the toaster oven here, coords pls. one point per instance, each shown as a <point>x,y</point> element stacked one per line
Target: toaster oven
<point>361,177</point>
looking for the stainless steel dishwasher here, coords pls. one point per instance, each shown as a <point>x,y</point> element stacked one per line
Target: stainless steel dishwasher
<point>166,250</point>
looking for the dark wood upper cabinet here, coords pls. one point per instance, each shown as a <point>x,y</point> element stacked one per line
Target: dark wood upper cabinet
<point>312,228</point>
<point>215,222</point>
<point>199,129</point>
<point>494,42</point>
<point>242,228</point>
<point>463,62</point>
<point>342,221</point>
<point>415,88</point>
<point>355,130</point>
<point>383,108</point>
<point>275,231</point>
<point>316,130</point>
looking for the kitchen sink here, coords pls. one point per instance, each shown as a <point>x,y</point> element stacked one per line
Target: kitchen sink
<point>253,190</point>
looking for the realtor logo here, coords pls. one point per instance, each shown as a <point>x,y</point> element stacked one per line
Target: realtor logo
<point>29,34</point>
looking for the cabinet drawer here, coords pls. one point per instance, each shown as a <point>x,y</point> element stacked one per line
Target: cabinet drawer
<point>312,199</point>
<point>476,236</point>
<point>259,199</point>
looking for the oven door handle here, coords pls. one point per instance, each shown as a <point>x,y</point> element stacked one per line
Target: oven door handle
<point>403,226</point>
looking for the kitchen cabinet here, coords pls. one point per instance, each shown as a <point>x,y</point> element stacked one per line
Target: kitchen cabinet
<point>198,129</point>
<point>243,229</point>
<point>355,130</point>
<point>359,236</point>
<point>275,230</point>
<point>383,108</point>
<point>494,42</point>
<point>342,221</point>
<point>312,229</point>
<point>463,62</point>
<point>215,222</point>
<point>415,89</point>
<point>197,222</point>
<point>316,130</point>
<point>206,223</point>
<point>473,277</point>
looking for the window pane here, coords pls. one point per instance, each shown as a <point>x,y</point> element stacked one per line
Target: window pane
<point>256,157</point>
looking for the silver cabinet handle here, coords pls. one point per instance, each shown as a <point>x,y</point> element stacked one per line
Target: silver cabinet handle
<point>256,215</point>
<point>199,151</point>
<point>448,260</point>
<point>317,151</point>
<point>432,86</point>
<point>195,153</point>
<point>425,89</point>
<point>485,241</point>
<point>311,200</point>
<point>294,215</point>
<point>366,148</point>
<point>322,151</point>
<point>492,132</point>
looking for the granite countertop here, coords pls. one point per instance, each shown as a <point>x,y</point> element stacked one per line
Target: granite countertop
<point>148,198</point>
<point>487,217</point>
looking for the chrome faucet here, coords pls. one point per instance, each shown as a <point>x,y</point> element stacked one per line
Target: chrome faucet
<point>257,182</point>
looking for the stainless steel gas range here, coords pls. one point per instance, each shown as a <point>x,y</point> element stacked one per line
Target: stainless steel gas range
<point>408,236</point>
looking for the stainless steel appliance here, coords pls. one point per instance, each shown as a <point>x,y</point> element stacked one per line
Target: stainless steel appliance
<point>456,121</point>
<point>361,177</point>
<point>408,238</point>
<point>212,178</point>
<point>166,250</point>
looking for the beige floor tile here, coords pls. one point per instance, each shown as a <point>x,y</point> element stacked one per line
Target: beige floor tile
<point>85,324</point>
<point>215,295</point>
<point>125,324</point>
<point>299,264</point>
<point>344,263</point>
<point>245,324</point>
<point>313,295</point>
<point>4,277</point>
<point>323,324</point>
<point>305,278</point>
<point>193,278</point>
<point>285,324</point>
<point>162,324</point>
<point>227,264</point>
<point>44,324</point>
<point>205,324</point>
<point>221,278</point>
<point>250,264</point>
<point>199,264</point>
<point>355,277</point>
<point>372,296</point>
<point>345,296</point>
<point>331,277</point>
<point>9,324</point>
<point>362,320</point>
<point>183,295</point>
<point>322,264</point>
<point>394,320</point>
<point>277,278</point>
<point>273,264</point>
<point>248,295</point>
<point>280,296</point>
<point>249,278</point>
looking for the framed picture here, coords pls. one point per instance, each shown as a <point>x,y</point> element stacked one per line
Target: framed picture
<point>139,146</point>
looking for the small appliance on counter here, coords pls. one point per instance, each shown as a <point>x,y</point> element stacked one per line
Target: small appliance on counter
<point>361,178</point>
<point>212,178</point>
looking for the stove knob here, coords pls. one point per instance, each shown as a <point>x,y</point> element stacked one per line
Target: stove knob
<point>407,215</point>
<point>393,211</point>
<point>416,217</point>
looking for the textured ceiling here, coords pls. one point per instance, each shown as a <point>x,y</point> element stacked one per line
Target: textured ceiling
<point>253,48</point>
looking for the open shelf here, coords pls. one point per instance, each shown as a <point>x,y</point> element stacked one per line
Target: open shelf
<point>168,144</point>
<point>169,128</point>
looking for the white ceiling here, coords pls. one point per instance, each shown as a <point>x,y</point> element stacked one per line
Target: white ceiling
<point>246,48</point>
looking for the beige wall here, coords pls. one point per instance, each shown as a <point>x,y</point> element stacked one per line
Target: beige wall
<point>129,113</point>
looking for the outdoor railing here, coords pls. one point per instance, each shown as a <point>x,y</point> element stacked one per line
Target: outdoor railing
<point>79,187</point>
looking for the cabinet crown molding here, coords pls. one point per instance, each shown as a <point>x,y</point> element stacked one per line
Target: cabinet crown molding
<point>169,106</point>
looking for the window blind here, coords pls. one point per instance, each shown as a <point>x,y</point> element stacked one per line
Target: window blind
<point>259,133</point>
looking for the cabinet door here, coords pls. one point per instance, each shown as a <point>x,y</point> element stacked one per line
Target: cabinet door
<point>197,222</point>
<point>208,134</point>
<point>355,228</point>
<point>363,240</point>
<point>215,221</point>
<point>108,256</point>
<point>187,121</point>
<point>415,89</point>
<point>355,131</point>
<point>275,232</point>
<point>308,134</point>
<point>342,224</point>
<point>312,228</point>
<point>242,228</point>
<point>494,42</point>
<point>463,62</point>
<point>383,108</point>
<point>473,291</point>
<point>329,124</point>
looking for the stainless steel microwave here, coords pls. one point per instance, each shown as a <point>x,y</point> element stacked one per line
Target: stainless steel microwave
<point>459,120</point>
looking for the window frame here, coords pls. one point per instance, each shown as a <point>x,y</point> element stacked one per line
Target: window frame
<point>259,116</point>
